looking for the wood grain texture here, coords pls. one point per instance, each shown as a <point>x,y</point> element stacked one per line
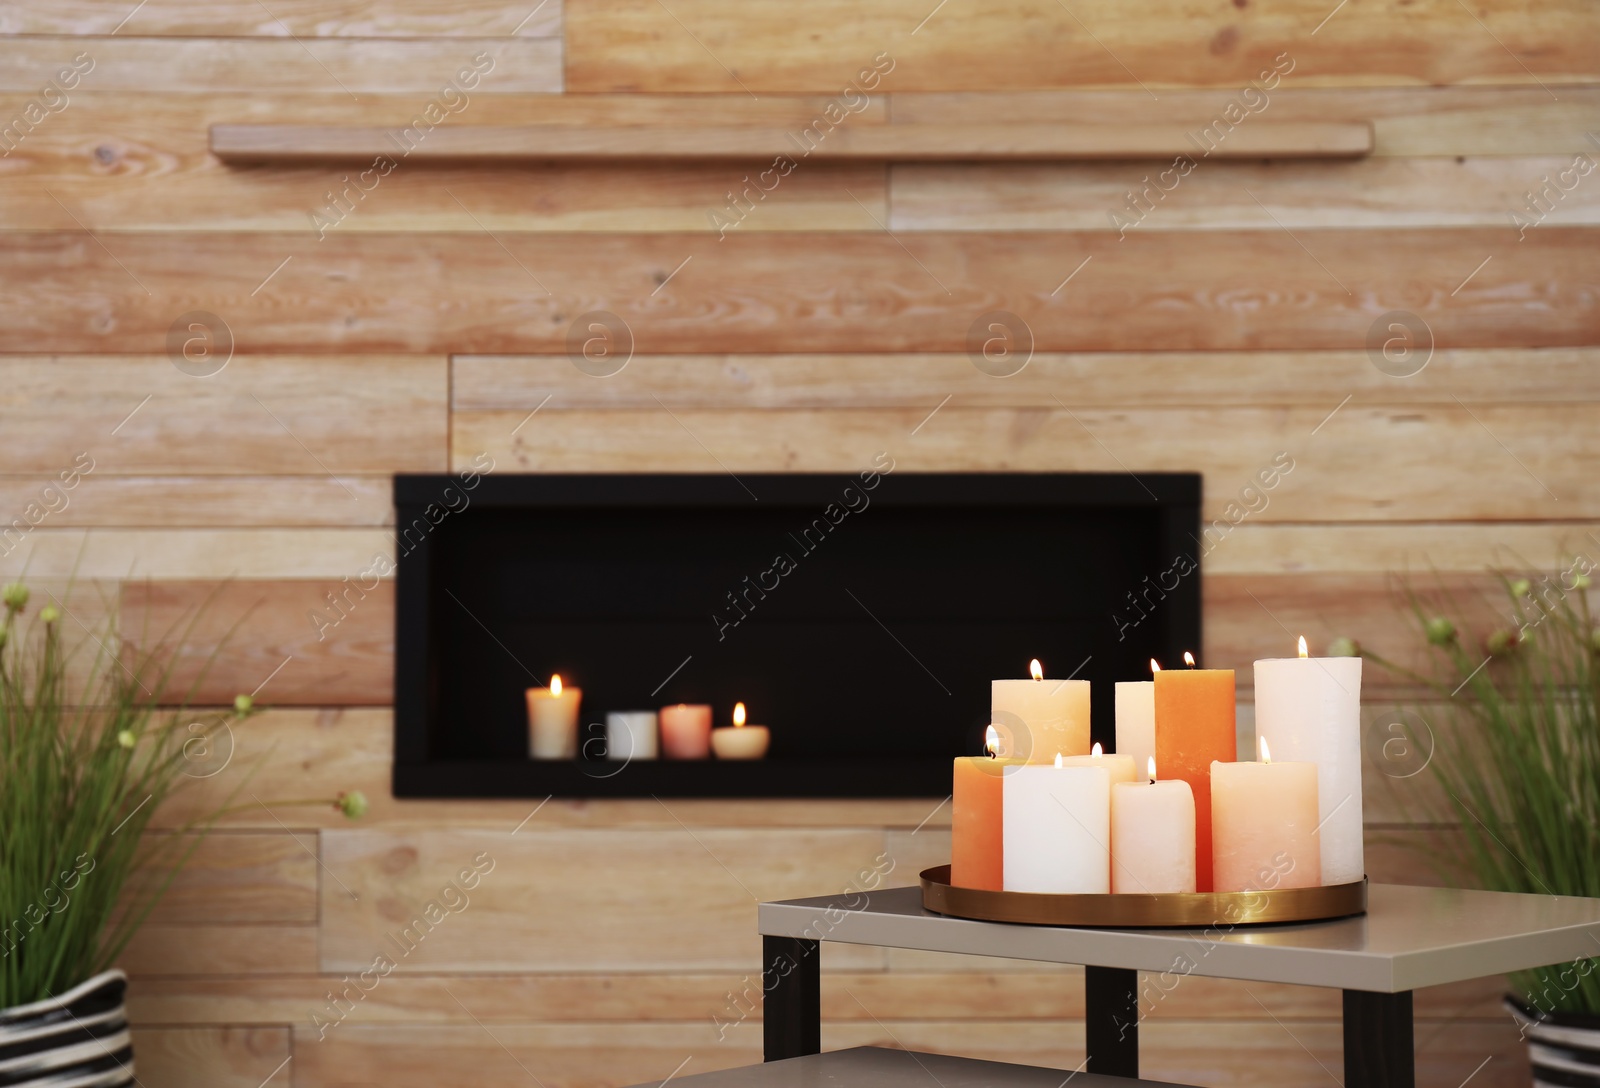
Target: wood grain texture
<point>299,18</point>
<point>233,501</point>
<point>143,416</point>
<point>822,292</point>
<point>699,916</point>
<point>726,46</point>
<point>1475,121</point>
<point>239,877</point>
<point>227,951</point>
<point>283,641</point>
<point>228,1057</point>
<point>347,67</point>
<point>1479,192</point>
<point>1119,379</point>
<point>197,553</point>
<point>1525,463</point>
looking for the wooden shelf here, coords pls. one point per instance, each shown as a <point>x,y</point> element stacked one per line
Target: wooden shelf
<point>1250,139</point>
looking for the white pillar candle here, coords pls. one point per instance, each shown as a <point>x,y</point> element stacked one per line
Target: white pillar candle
<point>1264,825</point>
<point>1056,823</point>
<point>1152,836</point>
<point>1119,767</point>
<point>1136,719</point>
<point>631,734</point>
<point>686,731</point>
<point>740,741</point>
<point>1054,713</point>
<point>553,721</point>
<point>1309,709</point>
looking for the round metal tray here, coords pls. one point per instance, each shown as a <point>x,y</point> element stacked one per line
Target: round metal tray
<point>1133,910</point>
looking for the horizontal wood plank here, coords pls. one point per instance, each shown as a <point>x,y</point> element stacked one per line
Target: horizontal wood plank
<point>698,913</point>
<point>726,46</point>
<point>1118,379</point>
<point>1354,462</point>
<point>1479,121</point>
<point>347,67</point>
<point>825,292</point>
<point>197,553</point>
<point>299,18</point>
<point>1123,197</point>
<point>109,502</point>
<point>227,1057</point>
<point>224,951</point>
<point>239,877</point>
<point>294,643</point>
<point>142,415</point>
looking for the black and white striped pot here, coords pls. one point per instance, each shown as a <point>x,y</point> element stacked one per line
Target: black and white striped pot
<point>1563,1047</point>
<point>78,1039</point>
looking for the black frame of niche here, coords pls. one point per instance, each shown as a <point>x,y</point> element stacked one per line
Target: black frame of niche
<point>498,570</point>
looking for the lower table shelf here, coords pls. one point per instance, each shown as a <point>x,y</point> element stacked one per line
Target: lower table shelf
<point>877,1067</point>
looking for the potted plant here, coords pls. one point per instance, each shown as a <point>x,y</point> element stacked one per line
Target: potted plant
<point>86,757</point>
<point>1515,764</point>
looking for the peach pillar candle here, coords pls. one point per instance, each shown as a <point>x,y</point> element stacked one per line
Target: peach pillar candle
<point>1309,708</point>
<point>1264,825</point>
<point>1054,715</point>
<point>1136,718</point>
<point>740,741</point>
<point>1119,767</point>
<point>1057,829</point>
<point>553,721</point>
<point>977,819</point>
<point>685,731</point>
<point>1194,730</point>
<point>1152,835</point>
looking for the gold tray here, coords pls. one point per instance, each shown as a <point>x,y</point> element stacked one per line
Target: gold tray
<point>1133,910</point>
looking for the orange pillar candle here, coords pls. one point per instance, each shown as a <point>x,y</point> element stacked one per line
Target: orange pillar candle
<point>1195,728</point>
<point>976,839</point>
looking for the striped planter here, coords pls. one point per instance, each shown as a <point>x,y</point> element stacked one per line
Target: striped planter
<point>77,1040</point>
<point>1563,1047</point>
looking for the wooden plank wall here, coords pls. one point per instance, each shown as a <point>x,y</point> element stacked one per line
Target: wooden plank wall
<point>421,323</point>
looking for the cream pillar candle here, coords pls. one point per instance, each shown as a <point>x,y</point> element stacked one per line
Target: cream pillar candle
<point>631,734</point>
<point>1309,709</point>
<point>1264,825</point>
<point>1152,835</point>
<point>740,741</point>
<point>1056,825</point>
<point>1054,713</point>
<point>553,721</point>
<point>1136,718</point>
<point>686,731</point>
<point>1119,767</point>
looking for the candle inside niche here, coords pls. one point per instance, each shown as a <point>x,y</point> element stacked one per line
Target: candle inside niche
<point>1264,824</point>
<point>1152,835</point>
<point>686,731</point>
<point>553,721</point>
<point>740,741</point>
<point>1054,715</point>
<point>631,734</point>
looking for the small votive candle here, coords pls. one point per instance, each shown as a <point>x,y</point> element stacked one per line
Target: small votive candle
<point>740,741</point>
<point>553,721</point>
<point>686,731</point>
<point>631,734</point>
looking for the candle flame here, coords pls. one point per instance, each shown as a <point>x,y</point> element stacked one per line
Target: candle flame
<point>1188,659</point>
<point>1058,761</point>
<point>1303,647</point>
<point>555,684</point>
<point>1155,666</point>
<point>1152,768</point>
<point>1266,753</point>
<point>1096,750</point>
<point>738,714</point>
<point>991,741</point>
<point>1035,669</point>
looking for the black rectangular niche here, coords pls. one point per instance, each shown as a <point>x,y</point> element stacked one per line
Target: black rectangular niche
<point>867,648</point>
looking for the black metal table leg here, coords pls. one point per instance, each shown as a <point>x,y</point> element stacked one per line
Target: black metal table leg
<point>1378,1040</point>
<point>1111,1017</point>
<point>791,980</point>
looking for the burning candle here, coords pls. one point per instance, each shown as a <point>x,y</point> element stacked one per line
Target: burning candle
<point>553,721</point>
<point>1264,824</point>
<point>1057,828</point>
<point>1054,715</point>
<point>1136,718</point>
<point>977,817</point>
<point>1119,767</point>
<point>740,741</point>
<point>1152,835</point>
<point>1195,730</point>
<point>1310,709</point>
<point>686,731</point>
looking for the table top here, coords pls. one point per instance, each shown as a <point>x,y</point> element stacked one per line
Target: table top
<point>1409,938</point>
<point>876,1067</point>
